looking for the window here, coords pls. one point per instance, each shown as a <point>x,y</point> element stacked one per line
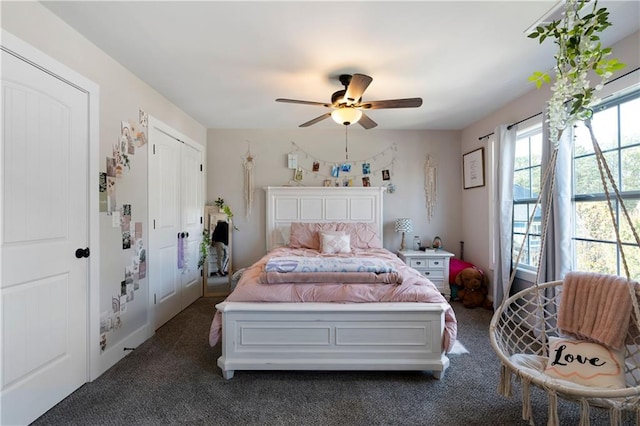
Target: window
<point>526,187</point>
<point>617,129</point>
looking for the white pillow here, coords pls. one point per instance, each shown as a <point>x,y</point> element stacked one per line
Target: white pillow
<point>285,233</point>
<point>335,242</point>
<point>585,363</point>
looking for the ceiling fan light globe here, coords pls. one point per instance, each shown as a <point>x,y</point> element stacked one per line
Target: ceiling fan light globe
<point>346,116</point>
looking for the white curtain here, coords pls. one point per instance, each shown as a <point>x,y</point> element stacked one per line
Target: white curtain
<point>555,261</point>
<point>505,148</point>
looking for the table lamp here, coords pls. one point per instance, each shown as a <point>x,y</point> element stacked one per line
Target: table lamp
<point>403,225</point>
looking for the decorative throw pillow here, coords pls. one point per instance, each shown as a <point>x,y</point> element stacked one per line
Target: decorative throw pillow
<point>332,243</point>
<point>585,363</point>
<point>305,235</point>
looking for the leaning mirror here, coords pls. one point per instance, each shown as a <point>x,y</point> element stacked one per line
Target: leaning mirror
<point>217,268</point>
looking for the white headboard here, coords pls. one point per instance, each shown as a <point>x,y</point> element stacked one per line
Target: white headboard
<point>286,204</point>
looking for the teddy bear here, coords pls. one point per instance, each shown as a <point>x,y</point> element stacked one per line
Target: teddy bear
<point>474,286</point>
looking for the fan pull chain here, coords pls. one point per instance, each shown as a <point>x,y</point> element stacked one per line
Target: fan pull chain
<point>346,143</point>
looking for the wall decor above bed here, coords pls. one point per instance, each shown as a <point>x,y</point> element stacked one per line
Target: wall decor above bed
<point>371,171</point>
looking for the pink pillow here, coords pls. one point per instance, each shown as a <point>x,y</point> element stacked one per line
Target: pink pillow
<point>305,235</point>
<point>363,235</point>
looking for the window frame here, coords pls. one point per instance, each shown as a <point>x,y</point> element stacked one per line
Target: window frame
<point>613,102</point>
<point>526,271</point>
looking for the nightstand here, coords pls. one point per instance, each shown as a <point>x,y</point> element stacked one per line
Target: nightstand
<point>433,264</point>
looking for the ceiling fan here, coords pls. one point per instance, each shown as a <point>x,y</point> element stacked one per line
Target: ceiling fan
<point>347,104</point>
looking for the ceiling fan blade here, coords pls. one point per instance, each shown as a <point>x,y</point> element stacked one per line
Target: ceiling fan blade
<point>356,87</point>
<point>367,122</point>
<point>393,103</point>
<point>316,120</point>
<point>295,101</point>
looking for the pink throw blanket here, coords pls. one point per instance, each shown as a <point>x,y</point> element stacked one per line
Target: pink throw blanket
<point>413,288</point>
<point>595,307</point>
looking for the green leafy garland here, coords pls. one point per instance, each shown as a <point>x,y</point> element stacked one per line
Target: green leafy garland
<point>579,52</point>
<point>204,247</point>
<point>225,208</point>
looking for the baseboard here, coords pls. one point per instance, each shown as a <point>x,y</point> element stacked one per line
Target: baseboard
<point>115,353</point>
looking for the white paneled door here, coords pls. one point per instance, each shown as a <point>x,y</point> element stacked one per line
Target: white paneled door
<point>44,285</point>
<point>175,206</point>
<point>192,222</point>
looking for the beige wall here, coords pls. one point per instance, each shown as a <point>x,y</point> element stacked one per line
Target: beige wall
<point>121,95</point>
<point>270,148</point>
<point>475,202</point>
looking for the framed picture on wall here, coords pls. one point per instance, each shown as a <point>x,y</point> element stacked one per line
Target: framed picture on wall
<point>473,169</point>
<point>292,161</point>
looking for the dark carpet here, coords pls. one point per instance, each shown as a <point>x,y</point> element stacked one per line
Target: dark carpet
<point>172,378</point>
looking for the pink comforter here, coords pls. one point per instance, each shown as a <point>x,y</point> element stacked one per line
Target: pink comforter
<point>413,288</point>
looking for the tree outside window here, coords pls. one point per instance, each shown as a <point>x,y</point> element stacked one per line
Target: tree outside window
<point>617,130</point>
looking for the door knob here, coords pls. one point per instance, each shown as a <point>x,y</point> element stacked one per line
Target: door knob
<point>82,252</point>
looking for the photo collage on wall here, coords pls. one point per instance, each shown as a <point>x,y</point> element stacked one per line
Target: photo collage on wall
<point>133,135</point>
<point>346,173</point>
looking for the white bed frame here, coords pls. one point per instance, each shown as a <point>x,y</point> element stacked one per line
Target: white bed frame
<point>329,336</point>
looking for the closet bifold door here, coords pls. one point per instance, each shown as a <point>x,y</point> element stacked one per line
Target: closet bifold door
<point>175,221</point>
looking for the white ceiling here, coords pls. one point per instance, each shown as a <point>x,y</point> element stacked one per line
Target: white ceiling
<point>224,63</point>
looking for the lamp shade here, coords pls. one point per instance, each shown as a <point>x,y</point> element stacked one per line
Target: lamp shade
<point>346,115</point>
<point>404,224</point>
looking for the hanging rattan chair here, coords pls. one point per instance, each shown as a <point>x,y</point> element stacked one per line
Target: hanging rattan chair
<point>523,323</point>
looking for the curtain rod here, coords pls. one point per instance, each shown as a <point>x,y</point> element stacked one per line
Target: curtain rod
<point>535,115</point>
<point>511,125</point>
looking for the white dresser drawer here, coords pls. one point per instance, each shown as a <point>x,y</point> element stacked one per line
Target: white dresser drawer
<point>434,275</point>
<point>436,264</point>
<point>418,263</point>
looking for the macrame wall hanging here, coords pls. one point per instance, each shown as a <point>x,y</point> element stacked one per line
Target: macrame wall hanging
<point>248,163</point>
<point>430,187</point>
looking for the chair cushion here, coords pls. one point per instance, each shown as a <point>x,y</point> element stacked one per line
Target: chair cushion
<point>585,363</point>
